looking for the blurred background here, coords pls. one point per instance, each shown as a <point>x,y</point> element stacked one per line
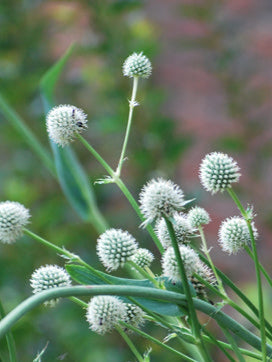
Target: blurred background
<point>210,91</point>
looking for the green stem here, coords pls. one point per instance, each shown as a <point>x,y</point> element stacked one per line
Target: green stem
<point>267,277</point>
<point>233,344</point>
<point>218,344</point>
<point>144,273</point>
<point>123,188</point>
<point>158,342</point>
<point>192,313</point>
<point>206,252</point>
<point>124,290</point>
<point>129,343</point>
<point>9,339</point>
<point>237,291</point>
<point>27,135</point>
<point>132,104</point>
<point>257,268</point>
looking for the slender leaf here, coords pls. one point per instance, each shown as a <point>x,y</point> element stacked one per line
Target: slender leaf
<point>85,276</point>
<point>73,180</point>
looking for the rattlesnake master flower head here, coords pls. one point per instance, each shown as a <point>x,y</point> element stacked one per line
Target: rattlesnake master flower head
<point>64,122</point>
<point>115,247</point>
<point>134,315</point>
<point>197,217</point>
<point>137,65</point>
<point>104,313</point>
<point>170,266</point>
<point>13,218</point>
<point>218,172</point>
<point>142,257</point>
<point>160,198</point>
<point>234,234</point>
<point>47,277</point>
<point>205,273</point>
<point>182,228</point>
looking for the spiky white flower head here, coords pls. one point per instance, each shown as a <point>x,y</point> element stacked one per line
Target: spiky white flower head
<point>104,313</point>
<point>218,171</point>
<point>64,122</point>
<point>134,315</point>
<point>142,257</point>
<point>13,218</point>
<point>115,247</point>
<point>182,228</point>
<point>47,277</point>
<point>197,216</point>
<point>170,265</point>
<point>137,65</point>
<point>234,234</point>
<point>160,198</point>
<point>205,273</point>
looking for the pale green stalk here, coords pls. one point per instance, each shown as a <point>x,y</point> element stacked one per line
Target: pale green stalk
<point>257,268</point>
<point>144,273</point>
<point>132,104</point>
<point>9,339</point>
<point>266,275</point>
<point>129,343</point>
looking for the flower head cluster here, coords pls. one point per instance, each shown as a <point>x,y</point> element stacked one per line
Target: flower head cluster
<point>142,257</point>
<point>160,198</point>
<point>47,277</point>
<point>170,265</point>
<point>104,313</point>
<point>64,122</point>
<point>115,247</point>
<point>197,217</point>
<point>218,171</point>
<point>234,234</point>
<point>182,228</point>
<point>134,315</point>
<point>13,218</point>
<point>137,65</point>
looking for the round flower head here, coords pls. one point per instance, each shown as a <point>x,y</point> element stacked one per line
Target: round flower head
<point>234,234</point>
<point>104,312</point>
<point>64,122</point>
<point>142,257</point>
<point>134,315</point>
<point>13,218</point>
<point>170,266</point>
<point>197,217</point>
<point>137,65</point>
<point>115,247</point>
<point>160,198</point>
<point>218,171</point>
<point>205,273</point>
<point>47,277</point>
<point>182,228</point>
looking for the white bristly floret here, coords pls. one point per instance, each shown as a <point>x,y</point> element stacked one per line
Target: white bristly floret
<point>170,266</point>
<point>143,258</point>
<point>104,313</point>
<point>13,218</point>
<point>197,217</point>
<point>64,122</point>
<point>134,315</point>
<point>47,277</point>
<point>182,228</point>
<point>115,247</point>
<point>234,234</point>
<point>218,172</point>
<point>160,198</point>
<point>137,65</point>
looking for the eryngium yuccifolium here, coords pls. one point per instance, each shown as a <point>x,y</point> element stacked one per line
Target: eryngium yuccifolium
<point>47,277</point>
<point>105,312</point>
<point>197,217</point>
<point>142,257</point>
<point>13,218</point>
<point>134,315</point>
<point>218,171</point>
<point>160,198</point>
<point>137,65</point>
<point>170,266</point>
<point>182,228</point>
<point>234,234</point>
<point>115,247</point>
<point>64,122</point>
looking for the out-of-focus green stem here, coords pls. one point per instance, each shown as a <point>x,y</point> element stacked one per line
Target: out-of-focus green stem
<point>9,339</point>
